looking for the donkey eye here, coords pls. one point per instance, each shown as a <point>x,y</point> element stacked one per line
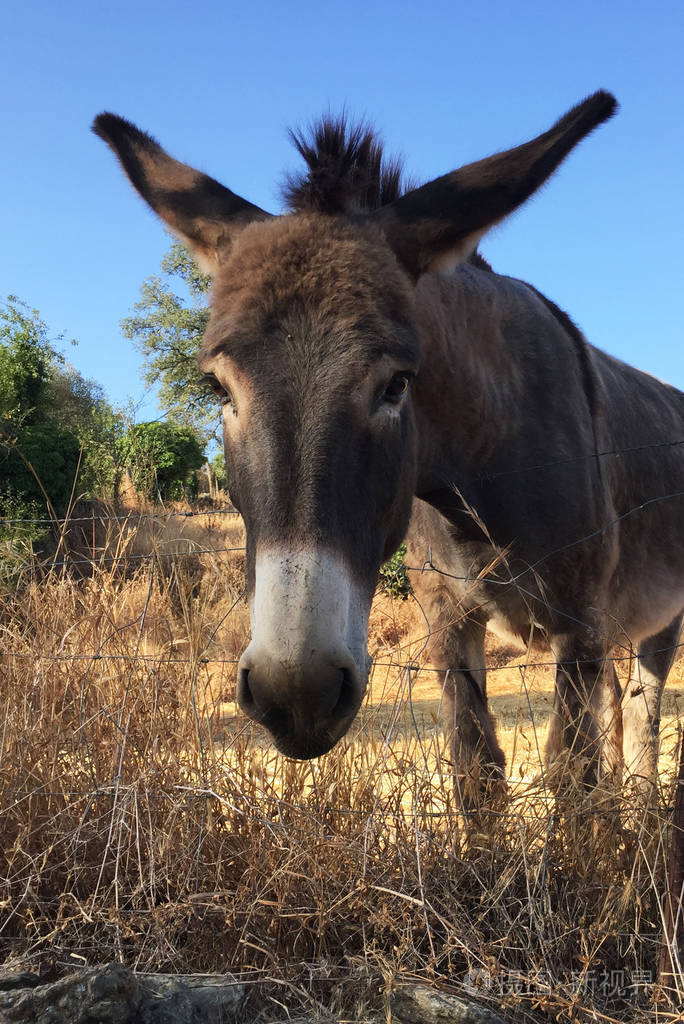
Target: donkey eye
<point>397,388</point>
<point>222,393</point>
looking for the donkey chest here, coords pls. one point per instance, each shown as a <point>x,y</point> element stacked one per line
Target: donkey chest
<point>476,575</point>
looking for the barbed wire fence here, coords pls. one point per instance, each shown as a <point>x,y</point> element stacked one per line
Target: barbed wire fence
<point>133,519</point>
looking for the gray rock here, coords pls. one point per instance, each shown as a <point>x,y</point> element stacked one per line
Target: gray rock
<point>169,999</point>
<point>115,995</point>
<point>17,979</point>
<point>419,1004</point>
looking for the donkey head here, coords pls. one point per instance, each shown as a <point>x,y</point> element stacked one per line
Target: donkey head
<point>311,349</point>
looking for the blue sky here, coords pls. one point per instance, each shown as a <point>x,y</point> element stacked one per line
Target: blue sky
<point>445,83</point>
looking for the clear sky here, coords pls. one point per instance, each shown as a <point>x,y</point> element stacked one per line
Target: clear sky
<point>445,82</point>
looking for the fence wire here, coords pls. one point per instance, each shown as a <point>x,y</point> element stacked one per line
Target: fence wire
<point>484,476</point>
<point>161,659</point>
<point>614,452</point>
<point>134,518</point>
<point>120,560</point>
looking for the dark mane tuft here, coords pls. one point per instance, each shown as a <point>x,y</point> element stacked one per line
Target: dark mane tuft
<point>346,170</point>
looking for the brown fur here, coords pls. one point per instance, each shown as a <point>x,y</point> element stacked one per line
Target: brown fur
<point>320,320</point>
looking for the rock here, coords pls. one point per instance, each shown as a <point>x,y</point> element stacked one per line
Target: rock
<point>419,1004</point>
<point>115,995</point>
<point>168,999</point>
<point>17,979</point>
<point>108,995</point>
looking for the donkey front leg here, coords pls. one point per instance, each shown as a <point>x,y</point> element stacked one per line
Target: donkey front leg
<point>641,707</point>
<point>586,722</point>
<point>456,650</point>
<point>455,647</point>
<point>478,760</point>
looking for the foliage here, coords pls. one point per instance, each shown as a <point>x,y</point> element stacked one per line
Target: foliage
<point>39,459</point>
<point>79,405</point>
<point>17,531</point>
<point>25,358</point>
<point>168,328</point>
<point>162,457</point>
<point>42,464</point>
<point>393,576</point>
<point>218,466</point>
<point>57,433</point>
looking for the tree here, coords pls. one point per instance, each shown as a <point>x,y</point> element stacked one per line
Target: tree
<point>25,357</point>
<point>218,468</point>
<point>41,466</point>
<point>57,431</point>
<point>39,460</point>
<point>168,328</point>
<point>77,404</point>
<point>162,457</point>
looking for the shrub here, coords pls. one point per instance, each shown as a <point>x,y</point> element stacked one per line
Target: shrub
<point>162,458</point>
<point>393,576</point>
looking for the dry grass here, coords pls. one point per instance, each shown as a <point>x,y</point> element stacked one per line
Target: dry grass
<point>142,820</point>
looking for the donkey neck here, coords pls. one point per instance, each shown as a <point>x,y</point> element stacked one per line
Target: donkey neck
<point>471,383</point>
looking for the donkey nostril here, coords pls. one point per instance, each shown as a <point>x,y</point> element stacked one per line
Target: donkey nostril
<point>244,694</point>
<point>346,701</point>
<point>278,721</point>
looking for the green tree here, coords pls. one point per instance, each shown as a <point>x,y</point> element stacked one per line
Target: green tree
<point>77,404</point>
<point>162,458</point>
<point>25,357</point>
<point>39,460</point>
<point>167,328</point>
<point>218,466</point>
<point>58,434</point>
<point>41,465</point>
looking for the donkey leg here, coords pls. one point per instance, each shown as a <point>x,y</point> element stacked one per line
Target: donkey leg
<point>456,650</point>
<point>641,706</point>
<point>455,647</point>
<point>478,760</point>
<point>585,719</point>
<point>608,710</point>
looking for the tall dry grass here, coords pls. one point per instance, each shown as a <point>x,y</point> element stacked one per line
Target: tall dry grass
<point>142,820</point>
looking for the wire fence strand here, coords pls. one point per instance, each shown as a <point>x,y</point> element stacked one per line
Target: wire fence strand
<point>484,476</point>
<point>123,518</point>
<point>399,666</point>
<point>121,559</point>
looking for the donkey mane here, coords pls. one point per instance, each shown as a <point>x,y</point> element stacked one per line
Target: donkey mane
<point>347,170</point>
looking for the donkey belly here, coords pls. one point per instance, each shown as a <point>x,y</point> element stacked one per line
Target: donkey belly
<point>650,598</point>
<point>642,595</point>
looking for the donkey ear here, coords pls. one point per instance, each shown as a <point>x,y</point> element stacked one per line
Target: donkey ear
<point>203,213</point>
<point>439,224</point>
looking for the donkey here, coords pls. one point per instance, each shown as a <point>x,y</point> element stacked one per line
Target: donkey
<point>369,362</point>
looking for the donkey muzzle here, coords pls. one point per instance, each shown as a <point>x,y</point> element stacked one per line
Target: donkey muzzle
<point>306,705</point>
<point>304,674</point>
